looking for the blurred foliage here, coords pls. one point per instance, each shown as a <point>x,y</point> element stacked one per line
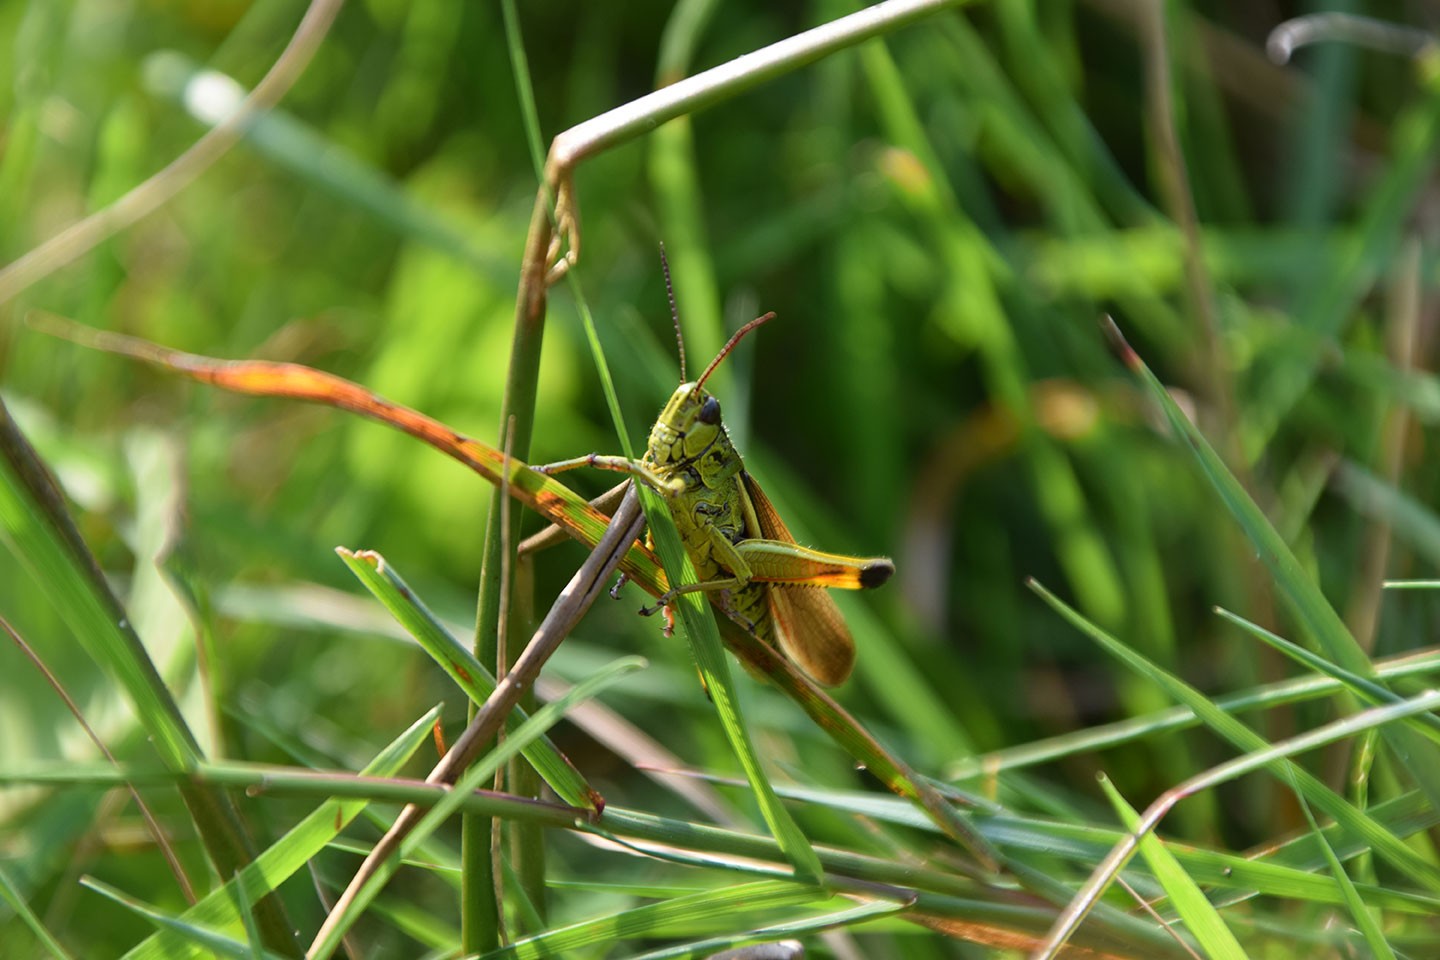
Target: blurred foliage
<point>935,389</point>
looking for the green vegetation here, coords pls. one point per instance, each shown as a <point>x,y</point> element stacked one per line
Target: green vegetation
<point>1141,564</point>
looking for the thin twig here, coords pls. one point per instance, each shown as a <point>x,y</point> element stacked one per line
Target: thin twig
<point>582,590</point>
<point>147,197</point>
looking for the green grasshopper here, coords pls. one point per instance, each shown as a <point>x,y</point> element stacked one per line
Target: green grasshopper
<point>747,561</point>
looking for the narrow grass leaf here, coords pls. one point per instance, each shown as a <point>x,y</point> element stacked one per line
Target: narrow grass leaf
<point>1369,928</point>
<point>1190,902</point>
<point>35,525</point>
<point>1385,843</point>
<point>469,673</point>
<point>778,931</point>
<point>1296,690</point>
<point>98,623</point>
<point>1088,899</point>
<point>704,637</point>
<point>16,899</point>
<point>475,777</point>
<point>1363,688</point>
<point>208,943</point>
<point>655,919</point>
<point>286,856</point>
<point>1419,758</point>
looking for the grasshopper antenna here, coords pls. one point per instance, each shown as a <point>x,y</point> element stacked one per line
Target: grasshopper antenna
<point>674,313</point>
<point>730,345</point>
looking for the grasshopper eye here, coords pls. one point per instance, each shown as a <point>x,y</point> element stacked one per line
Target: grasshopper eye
<point>709,411</point>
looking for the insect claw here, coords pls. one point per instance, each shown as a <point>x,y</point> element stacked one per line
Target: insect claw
<point>620,581</point>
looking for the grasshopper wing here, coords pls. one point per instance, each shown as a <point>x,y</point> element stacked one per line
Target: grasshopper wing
<point>808,625</point>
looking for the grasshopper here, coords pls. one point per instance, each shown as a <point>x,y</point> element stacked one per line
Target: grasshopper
<point>747,560</point>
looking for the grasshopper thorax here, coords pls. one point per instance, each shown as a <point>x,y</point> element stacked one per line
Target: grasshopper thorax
<point>688,427</point>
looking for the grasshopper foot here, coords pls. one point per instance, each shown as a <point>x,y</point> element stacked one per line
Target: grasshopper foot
<point>620,581</point>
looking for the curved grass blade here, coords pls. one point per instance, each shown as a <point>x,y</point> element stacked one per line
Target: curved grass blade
<point>654,919</point>
<point>1419,758</point>
<point>476,777</point>
<point>286,856</point>
<point>704,637</point>
<point>1385,843</point>
<point>1199,914</point>
<point>36,526</point>
<point>1369,928</point>
<point>469,673</point>
<point>1088,898</point>
<point>778,931</point>
<point>208,943</point>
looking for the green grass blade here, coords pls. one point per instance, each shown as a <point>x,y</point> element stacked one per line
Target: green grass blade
<point>1374,936</point>
<point>36,527</point>
<point>37,531</point>
<point>1385,843</point>
<point>1190,902</point>
<point>1280,693</point>
<point>1088,898</point>
<point>777,931</point>
<point>16,899</point>
<point>469,674</point>
<point>704,637</point>
<point>1362,687</point>
<point>1419,758</point>
<point>287,855</point>
<point>659,919</point>
<point>477,776</point>
<point>206,942</point>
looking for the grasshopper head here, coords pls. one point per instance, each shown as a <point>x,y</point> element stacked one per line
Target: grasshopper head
<point>690,422</point>
<point>687,426</point>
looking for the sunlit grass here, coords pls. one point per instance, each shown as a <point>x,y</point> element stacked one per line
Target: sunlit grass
<point>939,219</point>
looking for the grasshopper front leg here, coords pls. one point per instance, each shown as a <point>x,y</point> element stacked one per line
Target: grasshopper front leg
<point>636,469</point>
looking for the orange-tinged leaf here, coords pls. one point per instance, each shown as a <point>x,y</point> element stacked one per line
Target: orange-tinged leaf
<point>546,496</point>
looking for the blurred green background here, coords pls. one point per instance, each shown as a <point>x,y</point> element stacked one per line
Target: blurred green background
<point>938,220</point>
